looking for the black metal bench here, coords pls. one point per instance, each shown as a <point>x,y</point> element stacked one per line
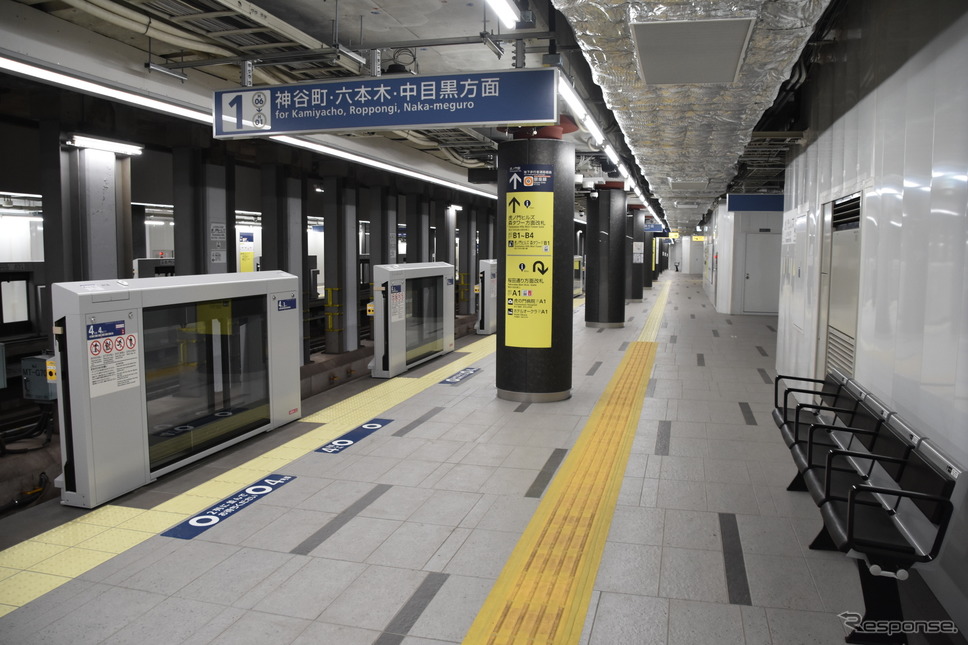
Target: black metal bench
<point>883,491</point>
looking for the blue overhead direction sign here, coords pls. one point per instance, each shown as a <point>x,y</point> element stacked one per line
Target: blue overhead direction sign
<point>505,97</point>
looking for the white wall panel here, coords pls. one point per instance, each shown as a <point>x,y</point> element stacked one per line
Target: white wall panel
<point>905,143</point>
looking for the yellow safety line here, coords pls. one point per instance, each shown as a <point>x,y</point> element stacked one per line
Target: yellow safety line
<point>542,594</point>
<point>651,329</point>
<point>32,568</point>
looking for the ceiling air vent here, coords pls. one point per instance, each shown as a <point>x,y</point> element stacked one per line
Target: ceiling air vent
<point>691,51</point>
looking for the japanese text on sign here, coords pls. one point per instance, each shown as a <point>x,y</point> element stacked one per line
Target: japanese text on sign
<point>485,98</point>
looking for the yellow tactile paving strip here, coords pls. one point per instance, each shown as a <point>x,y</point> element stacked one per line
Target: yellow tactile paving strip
<point>651,329</point>
<point>43,563</point>
<point>542,594</point>
<point>543,591</point>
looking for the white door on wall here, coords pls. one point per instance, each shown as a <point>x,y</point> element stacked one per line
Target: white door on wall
<point>761,294</point>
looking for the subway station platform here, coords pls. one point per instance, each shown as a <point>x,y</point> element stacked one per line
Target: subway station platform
<point>650,507</point>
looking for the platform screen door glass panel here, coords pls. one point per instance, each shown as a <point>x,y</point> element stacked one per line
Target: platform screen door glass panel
<point>206,375</point>
<point>425,317</point>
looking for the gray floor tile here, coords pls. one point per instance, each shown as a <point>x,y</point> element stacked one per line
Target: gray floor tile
<point>182,566</point>
<point>445,507</point>
<point>310,589</point>
<point>452,610</point>
<point>508,514</point>
<point>839,584</point>
<point>94,622</point>
<point>731,498</point>
<point>357,539</point>
<point>410,546</point>
<point>629,569</point>
<point>323,633</point>
<point>704,623</point>
<point>256,628</point>
<point>637,525</point>
<point>374,598</point>
<point>756,627</point>
<point>691,574</point>
<point>482,554</point>
<point>465,477</point>
<point>173,620</point>
<point>398,503</point>
<point>685,495</point>
<point>288,530</point>
<point>229,580</point>
<point>781,581</point>
<point>621,618</point>
<point>793,627</point>
<point>692,530</point>
<point>768,535</point>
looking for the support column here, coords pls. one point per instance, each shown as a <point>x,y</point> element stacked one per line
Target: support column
<point>284,242</point>
<point>341,255</point>
<point>445,219</point>
<point>636,272</point>
<point>381,210</point>
<point>485,234</point>
<point>647,261</point>
<point>604,286</point>
<point>534,247</point>
<point>467,260</point>
<point>418,229</point>
<point>201,226</point>
<point>87,211</point>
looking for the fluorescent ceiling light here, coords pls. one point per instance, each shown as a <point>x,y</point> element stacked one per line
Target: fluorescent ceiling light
<point>349,156</point>
<point>155,67</point>
<point>623,170</point>
<point>571,98</point>
<point>612,155</point>
<point>80,85</point>
<point>593,128</point>
<point>117,147</point>
<point>507,14</point>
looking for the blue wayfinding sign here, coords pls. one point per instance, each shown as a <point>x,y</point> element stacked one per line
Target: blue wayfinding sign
<point>227,507</point>
<point>351,437</point>
<point>506,97</point>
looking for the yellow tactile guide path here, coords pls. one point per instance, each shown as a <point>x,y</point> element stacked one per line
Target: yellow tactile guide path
<point>543,592</point>
<point>541,595</point>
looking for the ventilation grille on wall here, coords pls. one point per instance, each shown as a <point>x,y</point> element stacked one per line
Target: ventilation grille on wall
<point>840,351</point>
<point>846,213</point>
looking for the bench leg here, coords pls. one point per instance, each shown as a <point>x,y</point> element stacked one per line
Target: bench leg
<point>823,541</point>
<point>882,603</point>
<point>797,485</point>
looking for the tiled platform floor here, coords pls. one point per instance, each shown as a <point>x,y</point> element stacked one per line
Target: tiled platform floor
<point>399,538</point>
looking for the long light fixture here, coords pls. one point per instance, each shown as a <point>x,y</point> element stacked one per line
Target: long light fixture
<point>117,147</point>
<point>611,154</point>
<point>508,14</point>
<point>81,85</point>
<point>373,163</point>
<point>571,98</point>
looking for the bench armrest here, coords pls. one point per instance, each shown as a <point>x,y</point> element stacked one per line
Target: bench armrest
<point>946,506</point>
<point>789,391</point>
<point>781,377</point>
<point>834,454</point>
<point>817,407</point>
<point>816,427</point>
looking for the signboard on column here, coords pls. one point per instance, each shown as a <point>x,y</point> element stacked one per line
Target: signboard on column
<point>530,247</point>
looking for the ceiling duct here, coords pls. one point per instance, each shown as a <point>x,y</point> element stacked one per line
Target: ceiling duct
<point>687,127</point>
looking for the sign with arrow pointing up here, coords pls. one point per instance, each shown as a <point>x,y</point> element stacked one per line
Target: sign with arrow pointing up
<point>529,210</point>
